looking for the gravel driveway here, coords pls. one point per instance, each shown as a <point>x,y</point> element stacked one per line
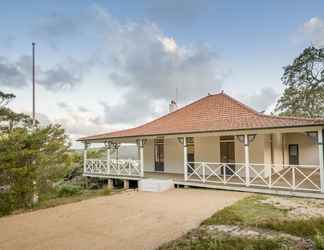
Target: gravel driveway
<point>130,220</point>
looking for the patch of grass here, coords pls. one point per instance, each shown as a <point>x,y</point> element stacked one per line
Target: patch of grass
<point>248,211</point>
<point>300,227</point>
<point>106,191</point>
<point>201,241</point>
<point>57,201</point>
<point>319,241</point>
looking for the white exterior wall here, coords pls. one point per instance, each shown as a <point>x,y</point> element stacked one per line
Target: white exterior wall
<point>149,155</point>
<point>207,149</point>
<point>308,151</point>
<point>173,156</point>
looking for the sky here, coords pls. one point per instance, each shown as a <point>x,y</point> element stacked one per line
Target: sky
<point>109,65</point>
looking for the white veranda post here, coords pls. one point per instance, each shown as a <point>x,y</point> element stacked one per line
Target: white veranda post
<point>185,158</point>
<point>141,146</point>
<point>321,162</point>
<point>108,156</point>
<point>85,156</point>
<point>247,159</point>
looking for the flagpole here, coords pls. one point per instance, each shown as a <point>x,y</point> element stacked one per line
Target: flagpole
<point>34,120</point>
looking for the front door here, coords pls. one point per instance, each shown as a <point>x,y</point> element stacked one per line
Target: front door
<point>227,155</point>
<point>159,155</point>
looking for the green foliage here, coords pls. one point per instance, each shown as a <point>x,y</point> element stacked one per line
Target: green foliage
<point>106,191</point>
<point>304,81</point>
<point>6,203</point>
<point>31,159</point>
<point>68,190</point>
<point>202,242</point>
<point>248,211</point>
<point>319,241</point>
<point>300,227</point>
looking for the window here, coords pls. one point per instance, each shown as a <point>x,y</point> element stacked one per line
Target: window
<point>293,154</point>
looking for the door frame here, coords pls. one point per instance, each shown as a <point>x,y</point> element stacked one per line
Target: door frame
<point>159,163</point>
<point>227,140</point>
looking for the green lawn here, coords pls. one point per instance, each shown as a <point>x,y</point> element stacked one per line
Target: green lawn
<point>250,213</point>
<point>53,200</point>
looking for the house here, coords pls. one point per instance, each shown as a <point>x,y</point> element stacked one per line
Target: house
<point>218,142</point>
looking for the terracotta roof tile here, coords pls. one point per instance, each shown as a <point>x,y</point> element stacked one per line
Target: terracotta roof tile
<point>212,113</point>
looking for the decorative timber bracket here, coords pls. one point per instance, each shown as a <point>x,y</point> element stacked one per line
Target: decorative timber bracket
<point>250,139</point>
<point>141,142</point>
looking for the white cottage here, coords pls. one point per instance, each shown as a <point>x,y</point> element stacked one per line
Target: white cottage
<point>218,142</point>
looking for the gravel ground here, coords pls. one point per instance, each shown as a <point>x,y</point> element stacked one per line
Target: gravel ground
<point>130,220</point>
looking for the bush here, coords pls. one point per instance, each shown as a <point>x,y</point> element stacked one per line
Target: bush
<point>6,203</point>
<point>106,191</point>
<point>319,241</point>
<point>68,190</point>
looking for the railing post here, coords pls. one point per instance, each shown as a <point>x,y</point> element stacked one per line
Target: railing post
<point>321,161</point>
<point>204,172</point>
<point>141,157</point>
<point>108,159</point>
<point>270,174</point>
<point>247,160</point>
<point>85,157</point>
<point>185,158</point>
<point>293,178</point>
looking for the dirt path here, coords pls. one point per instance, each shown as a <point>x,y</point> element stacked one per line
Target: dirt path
<point>131,220</point>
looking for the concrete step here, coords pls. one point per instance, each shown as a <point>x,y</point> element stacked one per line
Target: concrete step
<point>155,185</point>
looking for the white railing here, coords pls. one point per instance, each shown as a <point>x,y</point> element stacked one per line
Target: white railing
<point>291,177</point>
<point>116,167</point>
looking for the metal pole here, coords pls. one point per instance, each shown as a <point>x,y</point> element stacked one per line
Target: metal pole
<point>34,121</point>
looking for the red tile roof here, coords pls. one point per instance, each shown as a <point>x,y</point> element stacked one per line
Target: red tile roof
<point>212,113</point>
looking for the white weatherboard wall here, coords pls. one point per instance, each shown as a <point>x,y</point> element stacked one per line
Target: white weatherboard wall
<point>207,149</point>
<point>308,151</point>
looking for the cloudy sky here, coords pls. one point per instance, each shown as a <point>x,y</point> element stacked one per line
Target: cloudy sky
<point>107,65</point>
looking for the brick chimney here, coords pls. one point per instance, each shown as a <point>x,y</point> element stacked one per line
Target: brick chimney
<point>172,106</point>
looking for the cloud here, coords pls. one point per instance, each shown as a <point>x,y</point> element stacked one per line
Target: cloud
<point>178,12</point>
<point>141,63</point>
<point>262,100</point>
<point>313,30</point>
<point>13,74</point>
<point>18,73</point>
<point>149,66</point>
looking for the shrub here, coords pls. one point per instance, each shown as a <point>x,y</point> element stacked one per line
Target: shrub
<point>68,190</point>
<point>319,241</point>
<point>106,191</point>
<point>6,203</point>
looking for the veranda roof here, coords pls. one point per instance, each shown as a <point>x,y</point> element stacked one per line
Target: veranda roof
<point>212,113</point>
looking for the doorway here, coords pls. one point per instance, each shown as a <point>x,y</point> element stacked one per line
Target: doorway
<point>159,155</point>
<point>227,154</point>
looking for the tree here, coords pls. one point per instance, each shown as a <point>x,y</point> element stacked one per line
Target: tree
<point>30,158</point>
<point>304,85</point>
